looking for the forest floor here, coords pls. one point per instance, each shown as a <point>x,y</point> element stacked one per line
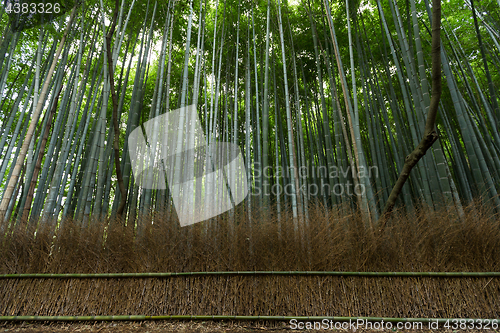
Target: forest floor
<point>178,327</point>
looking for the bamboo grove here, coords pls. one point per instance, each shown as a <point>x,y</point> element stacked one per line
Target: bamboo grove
<point>325,100</point>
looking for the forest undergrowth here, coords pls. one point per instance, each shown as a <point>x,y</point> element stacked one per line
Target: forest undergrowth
<point>330,241</point>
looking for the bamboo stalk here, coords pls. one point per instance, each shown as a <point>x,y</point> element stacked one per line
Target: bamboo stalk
<point>241,273</point>
<point>236,317</point>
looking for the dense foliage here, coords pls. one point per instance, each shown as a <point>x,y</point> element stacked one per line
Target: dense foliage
<point>292,84</point>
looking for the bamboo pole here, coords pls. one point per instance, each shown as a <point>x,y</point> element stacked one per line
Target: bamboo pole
<point>356,320</point>
<point>430,134</point>
<point>240,273</point>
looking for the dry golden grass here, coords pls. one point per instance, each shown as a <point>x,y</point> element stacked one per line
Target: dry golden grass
<point>428,241</point>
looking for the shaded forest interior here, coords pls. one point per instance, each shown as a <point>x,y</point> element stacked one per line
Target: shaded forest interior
<point>290,84</point>
<point>337,92</point>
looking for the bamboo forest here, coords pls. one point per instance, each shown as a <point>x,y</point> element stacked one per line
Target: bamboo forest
<point>208,162</point>
<point>325,100</point>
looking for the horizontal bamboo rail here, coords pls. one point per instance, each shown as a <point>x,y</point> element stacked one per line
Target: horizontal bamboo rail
<point>221,317</point>
<point>243,273</point>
